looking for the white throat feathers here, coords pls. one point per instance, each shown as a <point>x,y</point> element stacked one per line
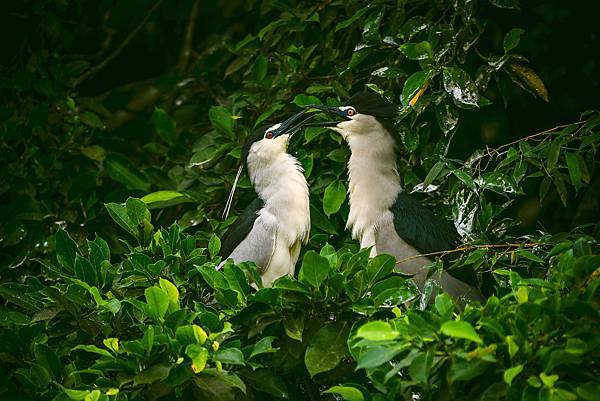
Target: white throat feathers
<point>279,181</point>
<point>374,182</point>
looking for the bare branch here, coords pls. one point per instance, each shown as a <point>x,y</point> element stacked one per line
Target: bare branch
<point>188,42</point>
<point>99,67</point>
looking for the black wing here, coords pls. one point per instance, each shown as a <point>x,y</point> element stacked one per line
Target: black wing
<point>240,228</point>
<point>422,229</point>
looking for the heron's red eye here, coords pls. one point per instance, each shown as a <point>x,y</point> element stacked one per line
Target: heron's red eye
<point>269,135</point>
<point>350,112</point>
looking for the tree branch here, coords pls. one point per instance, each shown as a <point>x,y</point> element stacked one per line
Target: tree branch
<point>188,42</point>
<point>99,67</point>
<point>472,247</point>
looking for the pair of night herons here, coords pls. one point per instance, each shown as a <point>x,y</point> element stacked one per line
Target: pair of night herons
<point>272,229</point>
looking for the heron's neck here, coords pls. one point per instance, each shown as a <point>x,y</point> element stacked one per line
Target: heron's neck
<point>281,184</point>
<point>374,181</point>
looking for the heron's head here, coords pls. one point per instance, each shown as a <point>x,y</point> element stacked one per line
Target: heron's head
<point>268,142</point>
<point>365,114</point>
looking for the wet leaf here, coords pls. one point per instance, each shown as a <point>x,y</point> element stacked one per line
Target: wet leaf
<point>414,87</point>
<point>458,84</point>
<point>417,51</point>
<point>512,39</point>
<point>528,78</point>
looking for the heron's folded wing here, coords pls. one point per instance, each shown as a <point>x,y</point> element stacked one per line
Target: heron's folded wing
<point>420,228</point>
<point>240,229</point>
<point>259,244</point>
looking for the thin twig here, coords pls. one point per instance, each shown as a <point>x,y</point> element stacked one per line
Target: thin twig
<point>188,41</point>
<point>470,248</point>
<point>99,67</point>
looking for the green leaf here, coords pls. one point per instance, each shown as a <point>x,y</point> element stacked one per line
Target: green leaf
<point>120,169</point>
<point>66,250</point>
<point>334,197</point>
<point>377,356</point>
<point>302,100</point>
<point>460,329</point>
<point>157,300</point>
<point>84,271</point>
<point>152,374</point>
<point>433,173</point>
<point>315,269</point>
<point>326,348</point>
<point>511,373</point>
<point>94,152</point>
<point>574,170</point>
<point>259,68</point>
<point>137,211</point>
<point>417,51</point>
<point>164,125</point>
<point>221,120</point>
<point>214,245</point>
<point>466,179</point>
<point>512,39</point>
<point>231,356</point>
<point>351,20</point>
<point>120,216</point>
<point>415,84</point>
<point>377,331</point>
<point>421,366</point>
<point>91,120</point>
<point>162,199</point>
<point>263,346</point>
<point>170,289</point>
<point>459,84</point>
<point>347,393</point>
<point>198,355</point>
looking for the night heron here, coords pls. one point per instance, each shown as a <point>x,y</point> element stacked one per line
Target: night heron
<point>272,228</point>
<point>382,216</point>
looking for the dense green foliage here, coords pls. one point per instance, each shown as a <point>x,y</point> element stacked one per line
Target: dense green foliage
<point>122,122</point>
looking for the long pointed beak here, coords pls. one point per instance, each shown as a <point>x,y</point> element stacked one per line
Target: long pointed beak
<point>330,110</point>
<point>293,124</point>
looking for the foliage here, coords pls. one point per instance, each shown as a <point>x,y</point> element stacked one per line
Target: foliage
<point>141,157</point>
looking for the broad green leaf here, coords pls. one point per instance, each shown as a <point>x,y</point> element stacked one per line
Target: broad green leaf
<point>152,374</point>
<point>170,289</point>
<point>574,169</point>
<point>85,271</point>
<point>302,100</point>
<point>157,300</point>
<point>512,39</point>
<point>315,269</point>
<point>433,173</point>
<point>137,211</point>
<point>414,87</point>
<point>334,197</point>
<point>231,356</point>
<point>377,331</point>
<point>421,366</point>
<point>417,51</point>
<point>460,329</point>
<point>351,20</point>
<point>119,215</point>
<point>66,250</point>
<point>263,346</point>
<point>511,373</point>
<point>466,179</point>
<point>198,355</point>
<point>347,393</point>
<point>221,120</point>
<point>214,245</point>
<point>259,68</point>
<point>326,348</point>
<point>91,120</point>
<point>377,356</point>
<point>94,152</point>
<point>164,125</point>
<point>458,84</point>
<point>120,169</point>
<point>162,199</point>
